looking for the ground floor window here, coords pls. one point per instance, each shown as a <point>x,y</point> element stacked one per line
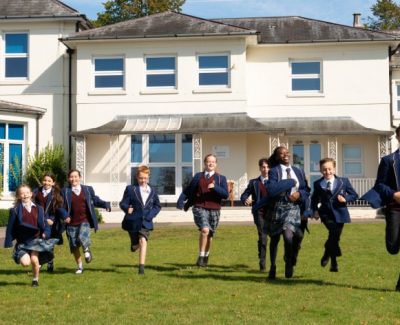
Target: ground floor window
<point>352,160</point>
<point>11,155</point>
<point>169,156</point>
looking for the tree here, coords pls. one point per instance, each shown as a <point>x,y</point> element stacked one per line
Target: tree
<point>120,10</point>
<point>386,15</point>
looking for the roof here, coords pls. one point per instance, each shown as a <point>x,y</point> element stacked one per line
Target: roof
<point>295,29</point>
<point>165,24</point>
<point>20,108</point>
<point>39,9</point>
<point>178,124</point>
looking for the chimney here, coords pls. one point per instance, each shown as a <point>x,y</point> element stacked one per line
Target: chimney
<point>357,20</point>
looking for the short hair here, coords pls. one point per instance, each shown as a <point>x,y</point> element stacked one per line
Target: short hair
<point>325,160</point>
<point>263,161</point>
<point>72,171</point>
<point>398,131</point>
<point>210,155</point>
<point>143,169</point>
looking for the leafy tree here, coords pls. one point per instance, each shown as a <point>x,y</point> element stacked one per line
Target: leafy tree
<point>120,10</point>
<point>386,15</point>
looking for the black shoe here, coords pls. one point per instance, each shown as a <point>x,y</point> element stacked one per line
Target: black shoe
<point>200,261</point>
<point>88,256</point>
<point>398,285</point>
<point>272,272</point>
<point>205,260</point>
<point>50,267</point>
<point>141,269</point>
<point>262,265</point>
<point>35,283</point>
<point>324,260</point>
<point>334,267</point>
<point>288,270</point>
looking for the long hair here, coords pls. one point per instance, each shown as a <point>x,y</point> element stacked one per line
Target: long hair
<point>274,159</point>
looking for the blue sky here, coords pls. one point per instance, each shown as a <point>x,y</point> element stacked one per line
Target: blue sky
<point>337,11</point>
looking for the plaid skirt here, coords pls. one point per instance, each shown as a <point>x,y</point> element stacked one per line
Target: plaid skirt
<point>284,215</point>
<point>78,236</point>
<point>44,247</point>
<point>205,218</point>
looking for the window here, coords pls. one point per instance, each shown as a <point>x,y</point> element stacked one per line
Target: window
<point>306,76</point>
<point>16,55</point>
<point>11,149</point>
<point>214,70</point>
<point>352,161</point>
<point>109,73</point>
<point>169,157</point>
<point>398,97</point>
<point>161,72</point>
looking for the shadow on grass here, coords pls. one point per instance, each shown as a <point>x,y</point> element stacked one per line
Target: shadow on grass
<point>214,267</point>
<point>4,284</point>
<point>13,271</point>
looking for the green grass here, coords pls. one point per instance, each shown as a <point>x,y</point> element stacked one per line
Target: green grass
<point>230,291</point>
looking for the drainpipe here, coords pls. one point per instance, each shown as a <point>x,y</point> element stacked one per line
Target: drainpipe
<point>70,52</point>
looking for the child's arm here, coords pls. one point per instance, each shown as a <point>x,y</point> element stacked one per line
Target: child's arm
<point>10,228</point>
<point>349,194</point>
<point>155,209</point>
<point>97,202</point>
<point>222,188</point>
<point>244,198</point>
<point>125,202</point>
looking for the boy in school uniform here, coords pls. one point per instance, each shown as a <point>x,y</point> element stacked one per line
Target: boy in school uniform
<point>329,202</point>
<point>205,192</point>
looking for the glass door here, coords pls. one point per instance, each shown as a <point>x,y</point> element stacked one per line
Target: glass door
<point>307,156</point>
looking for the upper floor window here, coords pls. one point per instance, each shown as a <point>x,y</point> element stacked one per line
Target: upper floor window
<point>16,55</point>
<point>398,98</point>
<point>352,160</point>
<point>161,71</point>
<point>214,70</point>
<point>109,72</point>
<point>306,76</point>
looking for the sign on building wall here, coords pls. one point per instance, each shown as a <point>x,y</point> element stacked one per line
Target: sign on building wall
<point>221,151</point>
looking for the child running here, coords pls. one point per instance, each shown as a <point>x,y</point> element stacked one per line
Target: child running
<point>27,225</point>
<point>80,201</point>
<point>140,204</point>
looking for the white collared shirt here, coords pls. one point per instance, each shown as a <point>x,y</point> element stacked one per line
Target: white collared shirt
<point>76,189</point>
<point>324,183</point>
<point>46,192</point>
<point>28,206</point>
<point>292,176</point>
<point>145,192</point>
<point>208,174</point>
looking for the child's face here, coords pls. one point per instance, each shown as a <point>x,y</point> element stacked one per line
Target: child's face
<point>47,182</point>
<point>264,168</point>
<point>284,156</point>
<point>328,170</point>
<point>143,179</point>
<point>211,164</point>
<point>74,179</point>
<point>25,194</point>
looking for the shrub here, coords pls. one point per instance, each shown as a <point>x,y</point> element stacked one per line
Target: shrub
<point>99,216</point>
<point>4,213</point>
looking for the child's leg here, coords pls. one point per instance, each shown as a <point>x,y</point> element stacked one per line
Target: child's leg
<point>273,251</point>
<point>204,242</point>
<point>288,239</point>
<point>143,250</point>
<point>77,256</point>
<point>35,265</point>
<point>25,260</point>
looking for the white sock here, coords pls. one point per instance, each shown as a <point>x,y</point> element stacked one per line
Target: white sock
<point>35,279</point>
<point>202,254</point>
<point>80,266</point>
<point>206,254</point>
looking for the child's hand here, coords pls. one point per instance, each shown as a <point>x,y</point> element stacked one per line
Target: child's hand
<point>341,199</point>
<point>68,220</point>
<point>50,222</point>
<point>44,236</point>
<point>130,210</point>
<point>396,197</point>
<point>294,197</point>
<point>248,201</point>
<point>211,186</point>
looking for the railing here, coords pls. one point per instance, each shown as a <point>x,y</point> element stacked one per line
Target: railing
<point>361,186</point>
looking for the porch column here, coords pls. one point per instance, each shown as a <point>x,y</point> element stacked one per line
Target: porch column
<point>384,146</point>
<point>332,147</point>
<point>276,140</point>
<point>197,153</point>
<point>114,169</point>
<point>80,155</point>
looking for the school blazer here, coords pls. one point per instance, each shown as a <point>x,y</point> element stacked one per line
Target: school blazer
<point>16,228</point>
<point>143,212</point>
<point>253,189</point>
<point>189,193</point>
<point>91,199</point>
<point>330,205</point>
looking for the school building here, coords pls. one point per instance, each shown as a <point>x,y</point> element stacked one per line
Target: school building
<point>166,89</point>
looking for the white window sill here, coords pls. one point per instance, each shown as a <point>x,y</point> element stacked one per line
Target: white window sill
<point>211,90</point>
<point>106,92</point>
<point>22,82</point>
<point>158,91</point>
<point>304,94</point>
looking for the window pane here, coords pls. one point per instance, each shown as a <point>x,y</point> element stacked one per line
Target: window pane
<point>163,179</point>
<point>398,105</point>
<point>16,43</point>
<point>313,178</point>
<point>352,152</point>
<point>15,132</point>
<point>136,148</point>
<point>306,84</point>
<point>15,164</point>
<point>109,81</point>
<point>162,147</point>
<point>187,174</point>
<point>305,67</point>
<point>2,131</point>
<point>298,156</point>
<point>187,148</point>
<point>167,63</point>
<point>1,162</point>
<point>209,62</point>
<point>109,64</point>
<point>16,67</point>
<point>315,156</point>
<point>160,80</point>
<point>206,79</point>
<point>352,168</point>
<point>398,90</point>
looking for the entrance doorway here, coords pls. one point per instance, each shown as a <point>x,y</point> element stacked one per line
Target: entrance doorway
<point>307,156</point>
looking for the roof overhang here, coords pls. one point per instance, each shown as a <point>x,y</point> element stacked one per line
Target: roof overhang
<point>12,107</point>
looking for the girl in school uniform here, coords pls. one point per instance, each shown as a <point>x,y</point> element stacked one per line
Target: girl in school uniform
<point>141,205</point>
<point>27,225</point>
<point>79,202</point>
<point>332,193</point>
<point>48,196</point>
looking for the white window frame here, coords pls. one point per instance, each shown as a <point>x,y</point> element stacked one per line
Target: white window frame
<point>161,71</point>
<point>108,73</point>
<point>214,70</point>
<point>358,160</point>
<point>15,55</point>
<point>306,76</point>
<point>396,97</point>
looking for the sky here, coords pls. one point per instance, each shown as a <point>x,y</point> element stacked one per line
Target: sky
<point>336,11</point>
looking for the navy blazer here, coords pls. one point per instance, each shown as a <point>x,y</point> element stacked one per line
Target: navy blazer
<point>24,233</point>
<point>189,193</point>
<point>143,212</point>
<point>91,199</point>
<point>330,205</point>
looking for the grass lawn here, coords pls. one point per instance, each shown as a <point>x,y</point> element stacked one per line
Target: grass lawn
<point>230,291</point>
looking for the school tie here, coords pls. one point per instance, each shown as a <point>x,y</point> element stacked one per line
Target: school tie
<point>288,175</point>
<point>329,186</point>
<point>207,175</point>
